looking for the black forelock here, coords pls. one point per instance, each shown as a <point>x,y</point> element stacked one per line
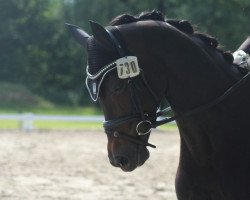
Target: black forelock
<point>127,18</point>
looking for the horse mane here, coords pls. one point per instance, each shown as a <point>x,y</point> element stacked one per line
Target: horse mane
<point>182,25</point>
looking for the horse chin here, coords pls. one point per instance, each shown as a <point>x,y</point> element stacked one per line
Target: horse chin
<point>143,155</point>
<point>128,168</point>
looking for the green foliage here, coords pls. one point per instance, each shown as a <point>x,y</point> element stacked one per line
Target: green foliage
<point>228,20</point>
<point>18,95</point>
<point>38,52</point>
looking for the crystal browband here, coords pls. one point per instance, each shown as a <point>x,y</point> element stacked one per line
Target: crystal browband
<point>127,67</point>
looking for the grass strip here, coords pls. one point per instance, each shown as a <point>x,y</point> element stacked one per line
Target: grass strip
<point>14,124</point>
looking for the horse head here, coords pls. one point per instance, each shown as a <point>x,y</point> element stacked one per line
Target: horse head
<point>125,93</point>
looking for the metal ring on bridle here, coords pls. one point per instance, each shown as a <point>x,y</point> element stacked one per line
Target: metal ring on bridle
<point>148,123</point>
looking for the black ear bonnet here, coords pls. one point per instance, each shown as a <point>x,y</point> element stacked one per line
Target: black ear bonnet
<point>99,58</point>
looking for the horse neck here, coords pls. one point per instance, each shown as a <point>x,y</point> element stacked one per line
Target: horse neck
<point>178,65</point>
<point>196,73</point>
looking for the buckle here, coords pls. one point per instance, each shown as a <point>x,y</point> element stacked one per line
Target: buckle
<point>144,127</point>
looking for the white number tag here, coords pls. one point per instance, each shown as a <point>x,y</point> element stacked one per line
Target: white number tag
<point>127,67</point>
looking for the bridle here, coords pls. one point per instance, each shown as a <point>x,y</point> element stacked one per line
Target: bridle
<point>146,121</point>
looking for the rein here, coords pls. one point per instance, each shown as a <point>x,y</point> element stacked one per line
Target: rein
<point>145,124</point>
<point>204,107</point>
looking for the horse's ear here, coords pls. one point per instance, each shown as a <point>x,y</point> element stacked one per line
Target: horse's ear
<point>101,35</point>
<point>80,35</point>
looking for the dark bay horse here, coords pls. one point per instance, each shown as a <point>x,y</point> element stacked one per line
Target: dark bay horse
<point>136,62</point>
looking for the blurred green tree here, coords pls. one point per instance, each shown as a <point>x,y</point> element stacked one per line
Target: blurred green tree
<point>37,50</point>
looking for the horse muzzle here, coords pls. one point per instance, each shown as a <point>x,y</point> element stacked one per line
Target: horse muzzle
<point>129,159</point>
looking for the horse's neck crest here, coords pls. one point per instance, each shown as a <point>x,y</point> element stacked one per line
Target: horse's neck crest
<point>242,59</point>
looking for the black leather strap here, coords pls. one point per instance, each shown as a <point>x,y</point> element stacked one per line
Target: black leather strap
<point>110,124</point>
<point>114,34</point>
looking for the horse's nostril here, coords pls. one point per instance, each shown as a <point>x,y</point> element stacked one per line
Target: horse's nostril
<point>124,161</point>
<point>121,161</point>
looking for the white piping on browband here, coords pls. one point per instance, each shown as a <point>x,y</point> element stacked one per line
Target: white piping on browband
<point>95,76</point>
<point>99,85</point>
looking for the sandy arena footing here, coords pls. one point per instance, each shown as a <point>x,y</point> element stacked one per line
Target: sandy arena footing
<point>73,165</point>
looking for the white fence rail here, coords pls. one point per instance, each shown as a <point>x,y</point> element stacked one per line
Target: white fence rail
<point>27,119</point>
